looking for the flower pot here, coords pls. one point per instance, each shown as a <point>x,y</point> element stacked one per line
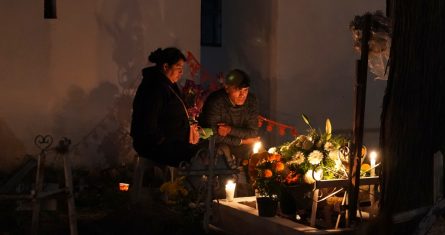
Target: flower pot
<point>267,206</point>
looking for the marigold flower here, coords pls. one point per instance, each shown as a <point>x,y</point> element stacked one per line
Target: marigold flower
<point>279,166</point>
<point>267,173</point>
<point>275,157</point>
<point>365,167</point>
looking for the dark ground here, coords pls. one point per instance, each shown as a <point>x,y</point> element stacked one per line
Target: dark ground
<point>103,209</point>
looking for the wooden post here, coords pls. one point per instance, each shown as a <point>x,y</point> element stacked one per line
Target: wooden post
<point>72,215</point>
<point>359,116</point>
<point>314,207</point>
<point>38,189</point>
<point>208,200</point>
<point>138,174</point>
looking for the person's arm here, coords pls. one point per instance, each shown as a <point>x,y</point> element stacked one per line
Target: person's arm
<point>251,129</point>
<point>211,116</point>
<point>147,107</point>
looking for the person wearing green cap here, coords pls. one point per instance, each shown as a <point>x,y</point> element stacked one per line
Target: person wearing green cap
<point>232,113</point>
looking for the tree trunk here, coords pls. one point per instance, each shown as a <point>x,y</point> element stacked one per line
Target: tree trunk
<point>412,128</point>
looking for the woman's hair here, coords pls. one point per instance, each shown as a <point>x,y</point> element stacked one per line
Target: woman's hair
<point>169,55</point>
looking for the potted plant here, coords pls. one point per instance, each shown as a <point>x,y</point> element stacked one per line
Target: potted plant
<point>267,179</point>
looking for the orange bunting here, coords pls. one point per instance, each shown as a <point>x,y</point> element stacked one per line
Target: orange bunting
<point>281,127</point>
<point>269,127</point>
<point>281,130</point>
<point>214,83</point>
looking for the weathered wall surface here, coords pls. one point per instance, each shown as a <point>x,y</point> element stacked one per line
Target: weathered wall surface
<point>73,76</point>
<point>301,59</point>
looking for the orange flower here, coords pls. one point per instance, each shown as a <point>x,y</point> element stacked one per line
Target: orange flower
<point>267,173</point>
<point>245,162</point>
<point>279,166</point>
<point>274,157</point>
<point>292,178</point>
<point>365,167</point>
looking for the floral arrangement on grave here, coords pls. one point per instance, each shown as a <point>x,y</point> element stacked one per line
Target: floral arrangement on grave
<point>379,43</point>
<point>267,174</point>
<point>184,200</point>
<point>314,156</point>
<point>174,190</point>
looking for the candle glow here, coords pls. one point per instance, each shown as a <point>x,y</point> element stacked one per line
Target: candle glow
<point>230,190</point>
<point>124,187</point>
<point>373,158</point>
<point>256,147</point>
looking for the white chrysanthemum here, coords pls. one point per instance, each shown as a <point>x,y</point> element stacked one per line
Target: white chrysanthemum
<point>315,157</point>
<point>297,159</point>
<point>272,150</point>
<point>328,146</point>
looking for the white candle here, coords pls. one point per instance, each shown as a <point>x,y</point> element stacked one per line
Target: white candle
<point>256,147</point>
<point>372,158</point>
<point>230,190</point>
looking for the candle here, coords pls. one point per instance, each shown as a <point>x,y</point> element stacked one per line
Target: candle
<point>124,187</point>
<point>372,158</point>
<point>230,190</point>
<point>256,147</point>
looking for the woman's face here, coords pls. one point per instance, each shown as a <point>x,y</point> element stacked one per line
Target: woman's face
<point>174,72</point>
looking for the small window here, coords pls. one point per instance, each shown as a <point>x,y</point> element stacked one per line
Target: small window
<point>211,23</point>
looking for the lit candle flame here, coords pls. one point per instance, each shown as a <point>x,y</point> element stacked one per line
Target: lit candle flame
<point>373,157</point>
<point>256,147</point>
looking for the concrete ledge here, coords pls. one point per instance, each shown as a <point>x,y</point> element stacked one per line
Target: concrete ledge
<point>236,218</point>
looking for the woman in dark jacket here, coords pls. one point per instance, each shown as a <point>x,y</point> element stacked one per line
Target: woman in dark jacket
<point>160,127</point>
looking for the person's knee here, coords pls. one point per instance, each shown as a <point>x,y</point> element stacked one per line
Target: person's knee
<point>223,149</point>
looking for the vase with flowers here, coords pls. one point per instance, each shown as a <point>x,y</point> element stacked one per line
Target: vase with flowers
<point>267,178</point>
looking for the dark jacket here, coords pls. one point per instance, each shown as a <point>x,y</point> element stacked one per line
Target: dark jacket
<point>159,118</point>
<point>242,118</point>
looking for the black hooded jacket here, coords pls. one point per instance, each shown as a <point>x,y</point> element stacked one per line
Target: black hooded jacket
<point>159,117</point>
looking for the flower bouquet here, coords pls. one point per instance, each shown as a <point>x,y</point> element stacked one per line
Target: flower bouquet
<point>314,156</point>
<point>267,178</point>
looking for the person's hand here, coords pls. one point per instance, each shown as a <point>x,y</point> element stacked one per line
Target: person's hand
<point>250,140</point>
<point>224,129</point>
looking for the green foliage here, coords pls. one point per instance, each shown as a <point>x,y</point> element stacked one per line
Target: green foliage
<point>313,151</point>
